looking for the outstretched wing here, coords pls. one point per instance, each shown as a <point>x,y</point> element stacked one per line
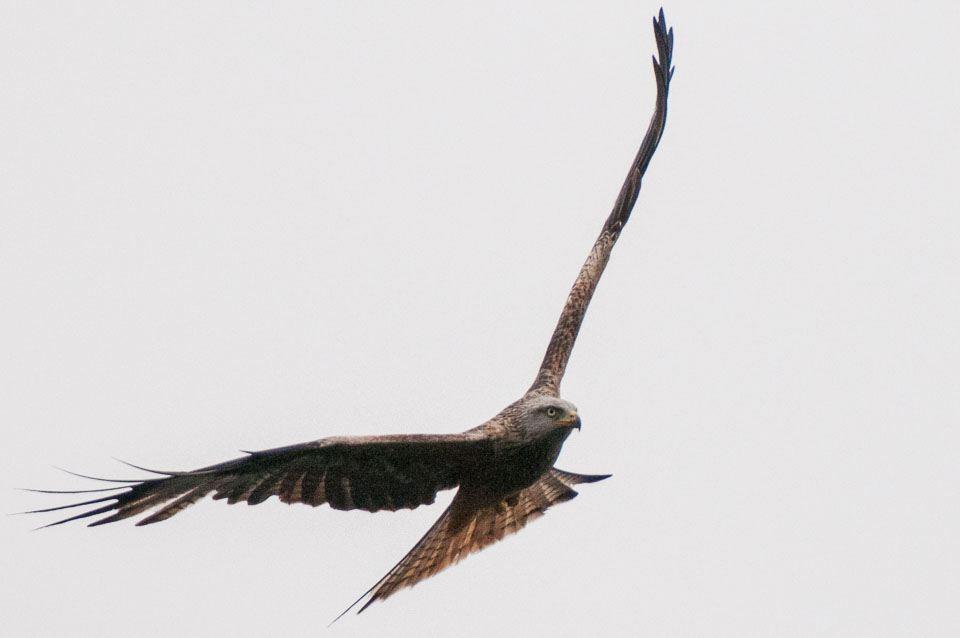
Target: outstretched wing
<point>371,473</point>
<point>565,334</point>
<point>465,528</point>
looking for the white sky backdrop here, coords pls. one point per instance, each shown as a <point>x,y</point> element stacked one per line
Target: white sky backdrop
<point>235,226</point>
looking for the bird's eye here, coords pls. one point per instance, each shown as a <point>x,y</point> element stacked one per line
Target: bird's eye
<point>551,412</point>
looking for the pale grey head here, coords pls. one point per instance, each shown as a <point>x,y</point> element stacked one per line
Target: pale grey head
<point>542,415</point>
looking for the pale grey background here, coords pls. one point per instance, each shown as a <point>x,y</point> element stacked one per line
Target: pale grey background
<point>240,225</point>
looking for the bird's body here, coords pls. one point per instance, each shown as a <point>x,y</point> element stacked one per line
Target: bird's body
<point>518,454</point>
<point>503,469</point>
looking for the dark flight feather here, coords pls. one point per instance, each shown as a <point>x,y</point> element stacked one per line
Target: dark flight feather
<point>372,473</point>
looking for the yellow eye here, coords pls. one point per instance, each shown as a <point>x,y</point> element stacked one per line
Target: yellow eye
<point>551,412</point>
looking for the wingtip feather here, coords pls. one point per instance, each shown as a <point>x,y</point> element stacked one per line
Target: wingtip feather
<point>146,469</point>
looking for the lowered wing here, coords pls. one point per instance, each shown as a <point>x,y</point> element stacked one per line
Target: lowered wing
<point>465,528</point>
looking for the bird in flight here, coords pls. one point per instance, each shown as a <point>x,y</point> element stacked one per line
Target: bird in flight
<point>502,469</point>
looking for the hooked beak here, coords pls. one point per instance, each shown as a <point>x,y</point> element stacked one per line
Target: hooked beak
<point>571,420</point>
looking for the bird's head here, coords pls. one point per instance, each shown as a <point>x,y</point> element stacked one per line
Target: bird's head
<point>544,414</point>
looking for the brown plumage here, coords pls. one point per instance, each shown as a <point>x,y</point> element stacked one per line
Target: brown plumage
<point>561,343</point>
<point>503,469</point>
<point>466,527</point>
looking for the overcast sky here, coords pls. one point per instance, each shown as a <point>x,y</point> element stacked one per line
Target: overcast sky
<point>231,225</point>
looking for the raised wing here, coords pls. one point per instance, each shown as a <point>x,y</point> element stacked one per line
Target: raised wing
<point>467,527</point>
<point>565,334</point>
<point>370,472</point>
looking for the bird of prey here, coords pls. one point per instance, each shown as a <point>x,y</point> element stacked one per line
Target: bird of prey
<point>503,469</point>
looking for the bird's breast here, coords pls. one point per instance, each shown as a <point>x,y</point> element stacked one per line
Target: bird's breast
<point>511,468</point>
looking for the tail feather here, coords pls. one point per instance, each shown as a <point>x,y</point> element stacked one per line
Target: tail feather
<point>569,478</point>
